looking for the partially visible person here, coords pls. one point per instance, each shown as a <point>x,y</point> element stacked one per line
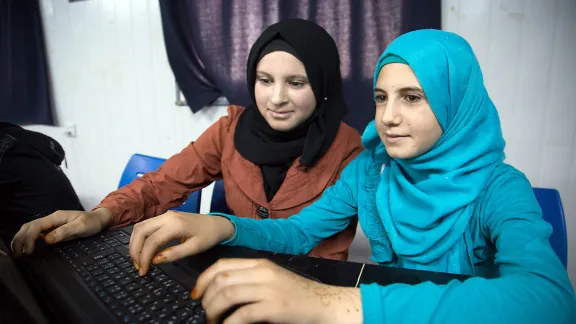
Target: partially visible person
<point>276,156</point>
<point>32,184</point>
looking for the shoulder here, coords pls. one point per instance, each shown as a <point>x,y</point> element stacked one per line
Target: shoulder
<point>347,141</point>
<point>234,112</point>
<point>508,196</point>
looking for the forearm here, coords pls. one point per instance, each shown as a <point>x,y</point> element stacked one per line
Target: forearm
<point>342,305</point>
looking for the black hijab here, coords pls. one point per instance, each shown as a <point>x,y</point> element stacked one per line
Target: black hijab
<point>274,151</point>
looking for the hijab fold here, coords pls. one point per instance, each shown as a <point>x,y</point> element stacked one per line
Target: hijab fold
<point>275,151</point>
<point>426,202</point>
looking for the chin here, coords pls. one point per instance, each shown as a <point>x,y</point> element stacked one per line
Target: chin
<point>283,126</point>
<point>400,154</point>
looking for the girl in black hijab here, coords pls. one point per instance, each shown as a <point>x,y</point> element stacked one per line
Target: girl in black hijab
<point>275,150</point>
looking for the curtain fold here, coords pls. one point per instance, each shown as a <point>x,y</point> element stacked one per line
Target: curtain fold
<point>207,42</point>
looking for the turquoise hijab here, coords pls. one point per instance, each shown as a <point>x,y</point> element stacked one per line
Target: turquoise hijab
<point>426,202</point>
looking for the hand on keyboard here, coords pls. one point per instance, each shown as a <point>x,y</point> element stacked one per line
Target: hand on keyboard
<point>63,225</point>
<point>254,291</point>
<point>197,233</point>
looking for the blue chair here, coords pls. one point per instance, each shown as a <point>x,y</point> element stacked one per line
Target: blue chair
<point>140,164</point>
<point>553,213</point>
<point>218,203</point>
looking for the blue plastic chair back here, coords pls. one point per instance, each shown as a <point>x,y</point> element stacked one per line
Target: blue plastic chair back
<point>218,203</point>
<point>553,213</point>
<point>140,164</point>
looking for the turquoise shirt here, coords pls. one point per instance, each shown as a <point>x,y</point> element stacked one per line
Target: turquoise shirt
<point>520,278</point>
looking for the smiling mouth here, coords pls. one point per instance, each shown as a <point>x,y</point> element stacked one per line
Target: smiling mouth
<point>279,114</point>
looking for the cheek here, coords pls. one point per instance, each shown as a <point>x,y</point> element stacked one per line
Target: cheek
<point>261,95</point>
<point>427,129</point>
<point>304,101</point>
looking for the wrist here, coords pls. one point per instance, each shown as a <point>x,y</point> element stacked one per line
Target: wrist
<point>104,215</point>
<point>228,230</point>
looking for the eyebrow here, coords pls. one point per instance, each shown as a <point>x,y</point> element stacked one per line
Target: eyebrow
<point>293,76</point>
<point>403,90</point>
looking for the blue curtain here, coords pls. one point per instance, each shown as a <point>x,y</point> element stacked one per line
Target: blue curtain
<point>207,42</point>
<point>24,85</point>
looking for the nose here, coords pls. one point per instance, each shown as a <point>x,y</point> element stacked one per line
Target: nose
<point>278,97</point>
<point>390,115</point>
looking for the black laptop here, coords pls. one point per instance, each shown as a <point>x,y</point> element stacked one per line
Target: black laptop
<point>93,280</point>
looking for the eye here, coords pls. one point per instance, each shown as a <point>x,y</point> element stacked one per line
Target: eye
<point>380,98</point>
<point>296,84</point>
<point>264,80</point>
<point>410,98</point>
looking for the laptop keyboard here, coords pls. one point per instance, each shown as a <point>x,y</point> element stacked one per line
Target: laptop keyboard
<point>104,265</point>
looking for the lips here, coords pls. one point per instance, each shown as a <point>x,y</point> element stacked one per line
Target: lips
<point>393,138</point>
<point>281,115</point>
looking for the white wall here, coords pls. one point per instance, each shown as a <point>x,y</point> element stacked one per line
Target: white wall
<point>112,80</point>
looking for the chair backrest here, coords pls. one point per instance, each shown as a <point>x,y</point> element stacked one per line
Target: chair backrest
<point>553,213</point>
<point>140,164</point>
<point>218,202</point>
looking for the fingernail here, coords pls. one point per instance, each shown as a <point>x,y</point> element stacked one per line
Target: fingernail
<point>136,265</point>
<point>141,272</point>
<point>194,293</point>
<point>158,259</point>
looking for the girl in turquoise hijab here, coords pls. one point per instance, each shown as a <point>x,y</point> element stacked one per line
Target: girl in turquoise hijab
<point>431,191</point>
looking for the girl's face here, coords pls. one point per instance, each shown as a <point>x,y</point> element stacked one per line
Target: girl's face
<point>283,93</point>
<point>404,119</point>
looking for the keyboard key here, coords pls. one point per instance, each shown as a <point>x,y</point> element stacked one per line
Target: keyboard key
<point>152,286</point>
<point>92,267</point>
<point>183,313</point>
<point>115,256</point>
<point>176,307</point>
<point>119,276</point>
<point>103,261</point>
<point>107,283</point>
<point>168,299</point>
<point>138,293</point>
<point>158,292</point>
<point>124,281</point>
<point>155,306</point>
<point>173,320</point>
<point>145,300</point>
<point>113,270</point>
<point>161,278</point>
<point>131,287</point>
<point>129,301</point>
<point>102,277</point>
<point>97,272</point>
<point>144,317</point>
<point>119,260</point>
<point>135,309</point>
<point>107,265</point>
<point>195,320</point>
<point>121,295</point>
<point>142,281</point>
<point>114,289</point>
<point>124,265</point>
<point>100,254</point>
<point>124,239</point>
<point>177,290</point>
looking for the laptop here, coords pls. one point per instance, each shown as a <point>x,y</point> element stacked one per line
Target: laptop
<point>93,280</point>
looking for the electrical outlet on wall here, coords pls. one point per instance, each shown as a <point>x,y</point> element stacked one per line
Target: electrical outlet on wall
<point>70,130</point>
